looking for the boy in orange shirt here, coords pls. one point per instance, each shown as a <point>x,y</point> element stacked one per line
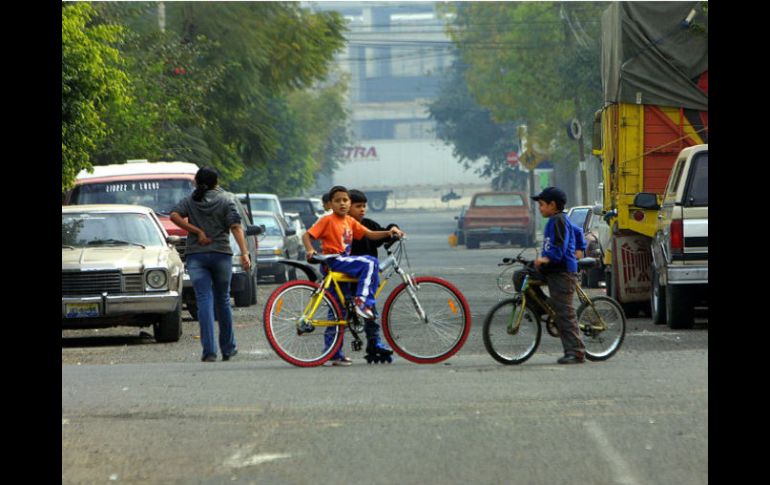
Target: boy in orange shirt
<point>336,232</point>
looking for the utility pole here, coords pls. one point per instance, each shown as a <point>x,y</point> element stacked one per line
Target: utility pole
<point>575,129</point>
<point>162,16</point>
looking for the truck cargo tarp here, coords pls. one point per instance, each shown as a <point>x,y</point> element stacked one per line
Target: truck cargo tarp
<point>650,57</point>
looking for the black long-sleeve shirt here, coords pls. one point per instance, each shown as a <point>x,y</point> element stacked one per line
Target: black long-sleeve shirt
<point>368,246</point>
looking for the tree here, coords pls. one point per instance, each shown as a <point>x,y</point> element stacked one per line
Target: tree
<point>93,83</point>
<point>534,63</point>
<point>313,129</point>
<point>474,135</point>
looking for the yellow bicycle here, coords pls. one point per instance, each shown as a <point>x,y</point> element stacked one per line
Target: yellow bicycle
<point>425,319</point>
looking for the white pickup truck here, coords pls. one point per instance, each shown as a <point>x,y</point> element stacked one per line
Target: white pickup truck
<point>680,270</point>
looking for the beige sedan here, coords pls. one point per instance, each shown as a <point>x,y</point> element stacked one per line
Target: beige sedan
<point>120,268</point>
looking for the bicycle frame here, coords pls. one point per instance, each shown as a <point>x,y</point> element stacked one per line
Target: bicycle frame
<point>528,292</point>
<point>331,283</point>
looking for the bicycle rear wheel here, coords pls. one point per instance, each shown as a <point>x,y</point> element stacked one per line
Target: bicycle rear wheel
<point>447,328</point>
<point>282,313</point>
<point>601,344</point>
<point>506,348</point>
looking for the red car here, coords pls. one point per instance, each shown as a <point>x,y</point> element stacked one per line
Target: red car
<point>499,216</point>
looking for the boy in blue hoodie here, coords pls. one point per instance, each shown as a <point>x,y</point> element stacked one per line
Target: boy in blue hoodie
<point>558,265</point>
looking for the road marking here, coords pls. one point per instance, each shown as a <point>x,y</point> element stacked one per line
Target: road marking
<point>620,469</point>
<point>238,460</point>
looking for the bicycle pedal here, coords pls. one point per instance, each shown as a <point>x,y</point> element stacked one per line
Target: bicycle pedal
<point>357,345</point>
<point>304,328</point>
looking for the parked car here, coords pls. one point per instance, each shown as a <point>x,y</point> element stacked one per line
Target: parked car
<point>680,263</point>
<point>304,207</point>
<point>158,185</point>
<point>120,268</point>
<point>597,233</point>
<point>499,216</point>
<point>318,206</point>
<point>275,244</point>
<point>263,202</point>
<point>295,222</point>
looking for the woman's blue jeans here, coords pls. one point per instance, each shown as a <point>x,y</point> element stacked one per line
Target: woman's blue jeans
<point>210,274</point>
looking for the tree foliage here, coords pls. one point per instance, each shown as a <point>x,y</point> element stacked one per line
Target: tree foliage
<point>533,63</point>
<point>473,134</point>
<point>216,88</point>
<point>93,83</point>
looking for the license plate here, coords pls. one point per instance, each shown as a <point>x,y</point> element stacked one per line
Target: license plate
<point>81,310</point>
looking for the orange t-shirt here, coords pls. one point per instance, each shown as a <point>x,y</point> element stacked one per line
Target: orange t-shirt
<point>337,233</point>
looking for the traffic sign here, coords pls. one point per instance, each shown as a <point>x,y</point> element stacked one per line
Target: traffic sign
<point>512,159</point>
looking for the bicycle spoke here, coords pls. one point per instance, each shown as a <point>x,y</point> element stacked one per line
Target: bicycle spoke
<point>445,330</point>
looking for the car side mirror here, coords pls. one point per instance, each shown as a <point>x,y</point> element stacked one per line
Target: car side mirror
<point>291,232</point>
<point>646,200</point>
<point>174,240</point>
<point>254,230</point>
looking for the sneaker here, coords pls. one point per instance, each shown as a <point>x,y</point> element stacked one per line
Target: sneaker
<point>227,357</point>
<point>209,358</point>
<point>571,359</point>
<point>343,361</point>
<point>362,310</point>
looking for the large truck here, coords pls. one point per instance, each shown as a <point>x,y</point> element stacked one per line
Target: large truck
<point>405,169</point>
<point>655,83</point>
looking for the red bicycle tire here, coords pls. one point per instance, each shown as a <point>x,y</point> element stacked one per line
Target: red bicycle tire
<point>271,338</point>
<point>444,356</point>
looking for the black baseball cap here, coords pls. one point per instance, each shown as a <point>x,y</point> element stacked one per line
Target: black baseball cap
<point>552,194</point>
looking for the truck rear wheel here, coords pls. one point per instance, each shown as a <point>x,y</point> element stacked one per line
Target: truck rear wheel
<point>679,308</point>
<point>658,300</point>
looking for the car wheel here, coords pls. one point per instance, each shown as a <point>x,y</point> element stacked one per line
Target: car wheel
<point>658,300</point>
<point>169,328</point>
<point>254,287</point>
<point>283,274</point>
<point>679,308</point>
<point>243,297</point>
<point>593,276</point>
<point>192,309</point>
<point>472,242</point>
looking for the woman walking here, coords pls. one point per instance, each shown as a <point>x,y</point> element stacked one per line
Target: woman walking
<point>212,215</point>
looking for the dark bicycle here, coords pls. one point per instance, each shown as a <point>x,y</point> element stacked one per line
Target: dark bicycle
<point>512,328</point>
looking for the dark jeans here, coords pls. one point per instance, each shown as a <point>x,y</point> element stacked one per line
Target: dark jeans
<point>561,287</point>
<point>210,274</point>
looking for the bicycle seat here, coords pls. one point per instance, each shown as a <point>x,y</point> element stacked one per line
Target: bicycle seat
<point>322,258</point>
<point>586,263</point>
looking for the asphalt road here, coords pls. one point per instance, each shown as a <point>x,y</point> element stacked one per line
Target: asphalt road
<point>134,411</point>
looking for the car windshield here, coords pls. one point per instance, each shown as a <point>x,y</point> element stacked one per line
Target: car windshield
<point>301,206</point>
<point>109,229</point>
<point>318,205</point>
<point>498,200</point>
<point>271,225</point>
<point>269,205</point>
<point>698,189</point>
<point>160,195</point>
<point>578,217</point>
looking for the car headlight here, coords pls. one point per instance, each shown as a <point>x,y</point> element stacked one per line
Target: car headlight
<point>156,279</point>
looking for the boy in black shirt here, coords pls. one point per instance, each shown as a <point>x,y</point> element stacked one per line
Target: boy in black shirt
<point>376,351</point>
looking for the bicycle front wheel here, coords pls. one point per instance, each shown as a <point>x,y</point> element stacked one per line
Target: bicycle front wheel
<point>602,326</point>
<point>501,345</point>
<point>448,320</point>
<point>283,312</point>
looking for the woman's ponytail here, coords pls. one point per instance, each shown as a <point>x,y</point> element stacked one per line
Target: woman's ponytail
<point>205,180</point>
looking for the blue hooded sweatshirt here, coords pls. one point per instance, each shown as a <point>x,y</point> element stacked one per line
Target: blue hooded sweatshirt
<point>559,245</point>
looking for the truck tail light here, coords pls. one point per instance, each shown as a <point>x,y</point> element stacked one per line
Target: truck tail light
<point>677,236</point>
